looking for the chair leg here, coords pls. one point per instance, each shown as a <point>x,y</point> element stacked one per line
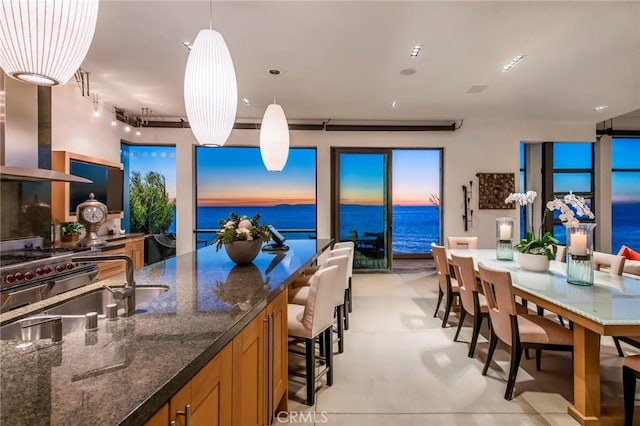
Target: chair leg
<point>629,389</point>
<point>616,342</point>
<point>516,355</point>
<point>440,294</point>
<point>340,314</point>
<point>310,359</point>
<point>322,349</point>
<point>538,359</point>
<point>447,309</point>
<point>347,309</point>
<point>477,324</point>
<point>328,337</point>
<point>492,347</point>
<point>350,297</point>
<point>463,314</point>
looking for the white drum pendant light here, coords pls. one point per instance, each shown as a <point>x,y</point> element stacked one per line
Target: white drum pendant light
<point>210,90</point>
<point>45,41</point>
<point>274,136</point>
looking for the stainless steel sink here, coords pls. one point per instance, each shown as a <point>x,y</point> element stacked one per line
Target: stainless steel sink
<point>72,313</point>
<point>16,331</point>
<point>99,299</point>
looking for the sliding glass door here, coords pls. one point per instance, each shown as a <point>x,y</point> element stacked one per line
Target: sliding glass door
<point>362,208</point>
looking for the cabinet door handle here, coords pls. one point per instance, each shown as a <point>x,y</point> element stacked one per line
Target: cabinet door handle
<point>186,413</point>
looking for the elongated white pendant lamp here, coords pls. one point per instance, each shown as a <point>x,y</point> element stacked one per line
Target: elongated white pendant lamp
<point>45,41</point>
<point>210,90</point>
<point>274,136</point>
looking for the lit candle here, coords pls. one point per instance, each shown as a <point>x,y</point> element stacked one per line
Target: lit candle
<point>579,244</point>
<point>505,231</point>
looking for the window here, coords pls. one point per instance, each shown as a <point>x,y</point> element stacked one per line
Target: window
<point>416,200</point>
<point>145,159</point>
<point>572,171</point>
<point>234,179</point>
<point>625,193</point>
<point>523,188</point>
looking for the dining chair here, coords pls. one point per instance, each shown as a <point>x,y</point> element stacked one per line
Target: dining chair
<point>630,374</point>
<point>350,245</point>
<point>470,243</point>
<point>519,331</point>
<point>312,320</point>
<point>473,303</point>
<point>611,262</point>
<point>446,285</point>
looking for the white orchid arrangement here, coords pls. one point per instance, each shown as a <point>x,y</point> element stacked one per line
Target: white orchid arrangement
<point>240,228</point>
<point>522,198</point>
<point>567,214</point>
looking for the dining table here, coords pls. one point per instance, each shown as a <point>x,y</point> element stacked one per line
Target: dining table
<point>609,307</point>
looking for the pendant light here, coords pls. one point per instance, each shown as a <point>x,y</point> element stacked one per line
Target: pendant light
<point>44,41</point>
<point>274,135</point>
<point>210,90</point>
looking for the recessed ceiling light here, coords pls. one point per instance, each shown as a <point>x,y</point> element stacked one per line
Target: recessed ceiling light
<point>600,107</point>
<point>515,60</point>
<point>416,50</point>
<point>187,45</point>
<point>394,104</point>
<point>246,101</point>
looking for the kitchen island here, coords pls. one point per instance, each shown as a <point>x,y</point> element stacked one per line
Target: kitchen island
<point>129,368</point>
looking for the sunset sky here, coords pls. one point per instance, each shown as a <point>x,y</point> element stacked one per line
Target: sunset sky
<point>236,176</point>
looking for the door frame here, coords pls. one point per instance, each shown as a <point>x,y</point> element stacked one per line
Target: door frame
<point>335,194</point>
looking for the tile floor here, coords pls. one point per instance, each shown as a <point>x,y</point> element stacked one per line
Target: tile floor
<point>401,368</point>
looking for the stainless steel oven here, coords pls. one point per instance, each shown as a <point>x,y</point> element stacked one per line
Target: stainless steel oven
<point>30,273</point>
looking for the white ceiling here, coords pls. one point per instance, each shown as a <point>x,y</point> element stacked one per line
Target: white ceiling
<point>342,60</point>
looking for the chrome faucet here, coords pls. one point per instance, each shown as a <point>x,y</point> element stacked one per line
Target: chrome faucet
<point>126,293</point>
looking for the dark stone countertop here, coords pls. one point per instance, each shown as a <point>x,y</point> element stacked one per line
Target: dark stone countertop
<point>129,368</point>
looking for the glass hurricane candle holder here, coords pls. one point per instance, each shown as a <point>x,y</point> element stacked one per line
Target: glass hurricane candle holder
<point>504,238</point>
<point>580,256</point>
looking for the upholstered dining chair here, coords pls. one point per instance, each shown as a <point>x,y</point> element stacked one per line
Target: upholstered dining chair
<point>446,285</point>
<point>470,243</point>
<point>473,303</point>
<point>350,245</point>
<point>519,331</point>
<point>630,374</point>
<point>612,262</point>
<point>314,319</point>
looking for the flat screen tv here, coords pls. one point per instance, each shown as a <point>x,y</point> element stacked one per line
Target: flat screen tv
<point>107,185</point>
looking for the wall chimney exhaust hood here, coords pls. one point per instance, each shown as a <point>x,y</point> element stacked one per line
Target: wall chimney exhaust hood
<point>32,174</point>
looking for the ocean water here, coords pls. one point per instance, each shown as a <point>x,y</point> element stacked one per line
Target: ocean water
<point>414,227</point>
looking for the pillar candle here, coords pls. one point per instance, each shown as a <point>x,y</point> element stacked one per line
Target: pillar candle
<point>579,244</point>
<point>505,232</point>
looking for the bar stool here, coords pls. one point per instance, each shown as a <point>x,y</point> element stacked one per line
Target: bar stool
<point>630,373</point>
<point>315,319</point>
<point>300,295</point>
<point>350,245</point>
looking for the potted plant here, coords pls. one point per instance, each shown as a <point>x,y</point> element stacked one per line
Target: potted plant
<point>70,231</point>
<point>535,253</point>
<point>241,237</point>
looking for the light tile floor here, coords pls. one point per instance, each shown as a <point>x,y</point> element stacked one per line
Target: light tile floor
<point>401,368</point>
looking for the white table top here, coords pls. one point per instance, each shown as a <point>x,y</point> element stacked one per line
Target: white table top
<point>612,300</point>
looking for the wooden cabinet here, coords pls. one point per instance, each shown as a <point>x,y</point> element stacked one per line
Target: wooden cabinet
<point>279,359</point>
<point>246,384</point>
<point>260,366</point>
<point>62,205</point>
<point>249,374</point>
<point>205,400</point>
<point>133,247</point>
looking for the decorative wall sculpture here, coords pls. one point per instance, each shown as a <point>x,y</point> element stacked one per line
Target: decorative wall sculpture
<point>494,188</point>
